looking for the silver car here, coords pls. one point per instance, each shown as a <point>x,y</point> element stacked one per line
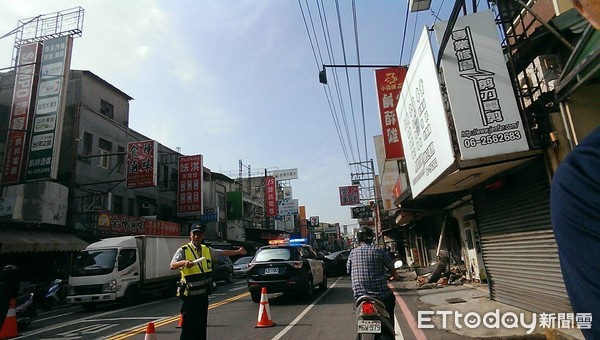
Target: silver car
<point>240,266</point>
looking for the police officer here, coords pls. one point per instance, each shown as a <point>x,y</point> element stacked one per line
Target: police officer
<point>196,281</point>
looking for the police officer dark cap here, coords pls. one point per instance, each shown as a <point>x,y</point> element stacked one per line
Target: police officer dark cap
<point>197,227</point>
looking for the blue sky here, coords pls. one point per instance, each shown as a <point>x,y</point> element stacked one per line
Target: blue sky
<point>237,79</point>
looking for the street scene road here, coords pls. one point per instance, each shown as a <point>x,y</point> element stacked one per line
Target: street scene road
<point>233,315</point>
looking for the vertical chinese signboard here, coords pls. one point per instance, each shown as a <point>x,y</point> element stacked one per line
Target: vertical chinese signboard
<point>189,187</point>
<point>349,195</point>
<point>142,164</point>
<point>49,110</point>
<point>270,196</point>
<point>485,112</point>
<point>389,84</point>
<point>21,112</point>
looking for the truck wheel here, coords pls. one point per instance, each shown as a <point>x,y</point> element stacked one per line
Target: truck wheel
<point>255,297</point>
<point>88,306</point>
<point>132,296</point>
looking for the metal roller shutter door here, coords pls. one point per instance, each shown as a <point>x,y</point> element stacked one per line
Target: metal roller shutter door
<point>517,242</point>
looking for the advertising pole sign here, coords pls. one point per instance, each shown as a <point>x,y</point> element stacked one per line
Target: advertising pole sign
<point>46,132</point>
<point>481,97</point>
<point>349,195</point>
<point>314,221</point>
<point>422,118</point>
<point>142,164</point>
<point>282,175</point>
<point>189,185</point>
<point>270,196</point>
<point>389,84</point>
<point>21,111</point>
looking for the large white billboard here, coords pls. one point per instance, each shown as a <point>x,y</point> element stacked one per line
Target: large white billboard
<point>422,117</point>
<point>483,104</point>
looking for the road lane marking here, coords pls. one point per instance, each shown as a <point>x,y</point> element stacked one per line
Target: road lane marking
<point>410,319</point>
<point>70,323</point>
<point>167,320</point>
<point>301,315</point>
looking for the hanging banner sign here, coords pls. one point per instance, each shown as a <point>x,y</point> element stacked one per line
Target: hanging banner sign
<point>270,196</point>
<point>189,185</point>
<point>21,112</point>
<point>349,195</point>
<point>389,84</point>
<point>142,164</point>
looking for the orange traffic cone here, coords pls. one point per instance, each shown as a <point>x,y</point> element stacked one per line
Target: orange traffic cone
<point>9,328</point>
<point>150,332</point>
<point>264,314</point>
<point>180,322</point>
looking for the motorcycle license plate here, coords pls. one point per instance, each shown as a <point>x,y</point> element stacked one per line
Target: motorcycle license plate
<point>369,326</point>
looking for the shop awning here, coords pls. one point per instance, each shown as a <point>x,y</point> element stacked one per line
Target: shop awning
<point>14,240</point>
<point>583,65</point>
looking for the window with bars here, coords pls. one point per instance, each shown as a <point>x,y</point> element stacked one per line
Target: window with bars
<point>104,150</point>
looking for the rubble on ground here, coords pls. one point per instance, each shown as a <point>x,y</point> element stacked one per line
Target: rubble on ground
<point>455,276</point>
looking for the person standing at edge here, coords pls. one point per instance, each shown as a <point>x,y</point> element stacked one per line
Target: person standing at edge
<point>196,281</point>
<point>574,202</point>
<point>574,208</point>
<point>369,267</point>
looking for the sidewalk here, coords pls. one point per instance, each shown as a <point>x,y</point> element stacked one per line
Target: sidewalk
<point>445,304</point>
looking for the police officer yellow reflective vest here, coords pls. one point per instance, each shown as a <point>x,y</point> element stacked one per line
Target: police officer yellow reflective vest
<point>196,280</point>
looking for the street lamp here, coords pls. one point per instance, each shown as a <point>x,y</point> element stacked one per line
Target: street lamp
<point>323,73</point>
<point>419,5</point>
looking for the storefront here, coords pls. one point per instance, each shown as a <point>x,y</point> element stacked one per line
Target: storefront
<point>517,242</point>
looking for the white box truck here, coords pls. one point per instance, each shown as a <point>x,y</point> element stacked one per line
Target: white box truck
<point>124,269</point>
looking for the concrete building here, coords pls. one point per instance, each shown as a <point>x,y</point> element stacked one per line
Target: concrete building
<point>468,192</point>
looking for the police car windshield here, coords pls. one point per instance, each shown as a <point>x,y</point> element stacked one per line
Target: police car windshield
<point>274,254</point>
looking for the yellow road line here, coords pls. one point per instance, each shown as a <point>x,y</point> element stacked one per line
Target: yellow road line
<point>165,321</point>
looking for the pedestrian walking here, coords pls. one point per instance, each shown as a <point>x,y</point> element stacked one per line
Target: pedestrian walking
<point>196,281</point>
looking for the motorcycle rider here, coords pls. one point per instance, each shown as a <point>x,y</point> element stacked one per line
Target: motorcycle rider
<point>369,267</point>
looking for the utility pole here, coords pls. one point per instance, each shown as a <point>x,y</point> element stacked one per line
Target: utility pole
<point>364,177</point>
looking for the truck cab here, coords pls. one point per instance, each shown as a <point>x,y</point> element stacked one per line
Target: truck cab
<point>106,271</point>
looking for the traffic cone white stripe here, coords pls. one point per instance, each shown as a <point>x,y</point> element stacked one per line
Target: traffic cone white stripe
<point>9,328</point>
<point>150,332</point>
<point>264,313</point>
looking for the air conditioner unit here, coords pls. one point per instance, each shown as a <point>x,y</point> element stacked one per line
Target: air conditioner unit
<point>539,77</point>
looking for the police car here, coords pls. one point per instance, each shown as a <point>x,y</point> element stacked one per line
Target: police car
<point>286,266</point>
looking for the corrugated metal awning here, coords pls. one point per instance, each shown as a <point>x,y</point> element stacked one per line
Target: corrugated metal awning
<point>14,240</point>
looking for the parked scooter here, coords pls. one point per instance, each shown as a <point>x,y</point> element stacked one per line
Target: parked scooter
<point>372,320</point>
<point>25,311</point>
<point>56,294</point>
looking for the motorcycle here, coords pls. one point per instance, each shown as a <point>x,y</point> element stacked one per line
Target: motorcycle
<point>56,294</point>
<point>372,320</point>
<point>25,311</point>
